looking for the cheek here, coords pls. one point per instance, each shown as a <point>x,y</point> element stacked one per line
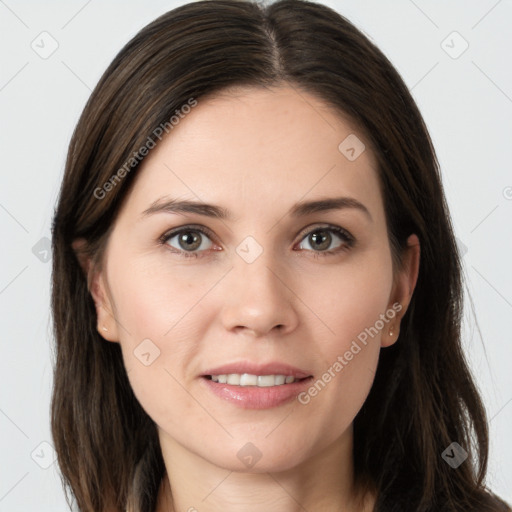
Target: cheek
<point>348,299</point>
<point>341,386</point>
<point>157,300</point>
<point>158,325</point>
<point>165,399</point>
<point>335,398</point>
<point>355,308</point>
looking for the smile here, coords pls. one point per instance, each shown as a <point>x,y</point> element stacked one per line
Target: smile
<point>247,379</point>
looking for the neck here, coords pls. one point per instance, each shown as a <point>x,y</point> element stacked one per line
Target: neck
<point>322,482</point>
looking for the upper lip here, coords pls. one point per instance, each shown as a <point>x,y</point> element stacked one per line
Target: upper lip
<point>271,368</point>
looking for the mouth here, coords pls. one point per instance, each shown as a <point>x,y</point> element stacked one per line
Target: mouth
<point>269,391</point>
<point>248,379</point>
<point>250,386</point>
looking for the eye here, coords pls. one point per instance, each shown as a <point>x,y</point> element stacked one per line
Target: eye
<point>191,241</point>
<point>321,238</point>
<point>188,241</point>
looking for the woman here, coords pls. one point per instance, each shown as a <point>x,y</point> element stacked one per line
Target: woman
<point>256,288</point>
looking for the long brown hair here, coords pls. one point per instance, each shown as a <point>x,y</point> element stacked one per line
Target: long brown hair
<point>423,397</point>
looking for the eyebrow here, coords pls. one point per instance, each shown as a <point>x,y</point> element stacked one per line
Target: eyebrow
<point>300,209</point>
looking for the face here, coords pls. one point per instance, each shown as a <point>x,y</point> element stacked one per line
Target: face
<point>260,284</point>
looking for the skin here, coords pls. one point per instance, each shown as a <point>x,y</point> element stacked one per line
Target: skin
<point>255,152</point>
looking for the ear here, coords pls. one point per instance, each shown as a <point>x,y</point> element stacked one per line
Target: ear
<point>403,288</point>
<point>97,286</point>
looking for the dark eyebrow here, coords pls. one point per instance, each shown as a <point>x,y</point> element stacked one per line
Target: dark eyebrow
<point>335,203</point>
<point>167,205</point>
<point>300,209</point>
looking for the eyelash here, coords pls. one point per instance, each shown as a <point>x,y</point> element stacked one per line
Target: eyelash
<point>346,237</point>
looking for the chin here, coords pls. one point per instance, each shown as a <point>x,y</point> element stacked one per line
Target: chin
<point>258,456</point>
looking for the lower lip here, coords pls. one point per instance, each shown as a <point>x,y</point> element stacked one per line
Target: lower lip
<point>254,397</point>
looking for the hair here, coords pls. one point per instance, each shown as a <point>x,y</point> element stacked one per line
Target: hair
<point>423,397</point>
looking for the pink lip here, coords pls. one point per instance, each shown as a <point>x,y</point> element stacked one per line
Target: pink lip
<point>272,368</point>
<point>253,397</point>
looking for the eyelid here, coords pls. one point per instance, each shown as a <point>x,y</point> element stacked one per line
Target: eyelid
<point>325,225</point>
<point>192,227</point>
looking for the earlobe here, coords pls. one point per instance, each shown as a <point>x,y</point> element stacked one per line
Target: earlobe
<point>403,289</point>
<point>106,323</point>
<point>391,336</point>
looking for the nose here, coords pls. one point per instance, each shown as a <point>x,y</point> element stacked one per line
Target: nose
<point>259,298</point>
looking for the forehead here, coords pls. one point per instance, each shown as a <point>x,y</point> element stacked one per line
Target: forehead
<point>259,148</point>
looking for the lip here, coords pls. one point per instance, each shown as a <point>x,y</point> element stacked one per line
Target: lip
<point>253,397</point>
<point>271,368</point>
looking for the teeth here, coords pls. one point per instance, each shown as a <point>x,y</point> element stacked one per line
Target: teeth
<point>234,379</point>
<point>246,379</point>
<point>281,379</point>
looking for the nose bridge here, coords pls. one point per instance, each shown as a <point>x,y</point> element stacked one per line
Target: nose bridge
<point>258,298</point>
<point>257,269</point>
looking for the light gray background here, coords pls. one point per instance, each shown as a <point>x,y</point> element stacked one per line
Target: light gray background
<point>467,105</point>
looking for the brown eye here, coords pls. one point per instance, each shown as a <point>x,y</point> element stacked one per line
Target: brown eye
<point>321,239</point>
<point>188,240</point>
